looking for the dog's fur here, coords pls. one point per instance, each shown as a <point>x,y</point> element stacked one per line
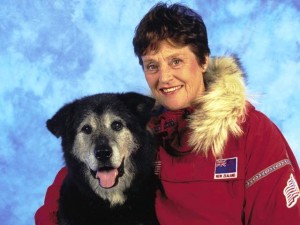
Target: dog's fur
<point>106,132</point>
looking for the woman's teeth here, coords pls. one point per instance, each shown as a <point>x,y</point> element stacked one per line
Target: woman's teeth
<point>167,90</point>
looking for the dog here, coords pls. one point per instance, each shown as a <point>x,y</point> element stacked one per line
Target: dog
<point>110,155</point>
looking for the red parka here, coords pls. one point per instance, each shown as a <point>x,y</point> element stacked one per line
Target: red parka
<point>220,162</point>
<point>254,182</point>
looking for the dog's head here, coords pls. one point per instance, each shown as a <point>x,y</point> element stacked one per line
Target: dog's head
<point>102,137</point>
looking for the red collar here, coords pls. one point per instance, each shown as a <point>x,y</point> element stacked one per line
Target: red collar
<point>171,130</point>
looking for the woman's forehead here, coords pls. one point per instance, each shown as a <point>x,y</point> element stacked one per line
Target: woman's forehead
<point>167,49</point>
<point>156,46</point>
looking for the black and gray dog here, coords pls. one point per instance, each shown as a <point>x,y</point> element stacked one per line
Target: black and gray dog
<point>109,155</point>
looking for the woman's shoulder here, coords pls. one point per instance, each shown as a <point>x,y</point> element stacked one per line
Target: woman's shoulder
<point>262,138</point>
<point>255,119</point>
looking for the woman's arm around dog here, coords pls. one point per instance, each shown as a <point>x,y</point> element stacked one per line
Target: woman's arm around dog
<point>46,214</point>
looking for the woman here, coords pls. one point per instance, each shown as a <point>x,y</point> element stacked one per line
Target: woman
<point>220,161</point>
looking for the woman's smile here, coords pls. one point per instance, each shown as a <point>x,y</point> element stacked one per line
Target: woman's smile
<point>171,90</point>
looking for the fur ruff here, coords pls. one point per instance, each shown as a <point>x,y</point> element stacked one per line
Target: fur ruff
<point>221,110</point>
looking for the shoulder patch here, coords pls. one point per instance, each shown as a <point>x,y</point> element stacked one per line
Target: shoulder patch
<point>291,192</point>
<point>267,171</point>
<point>226,168</point>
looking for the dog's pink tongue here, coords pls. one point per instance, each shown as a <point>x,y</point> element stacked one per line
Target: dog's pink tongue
<point>107,178</point>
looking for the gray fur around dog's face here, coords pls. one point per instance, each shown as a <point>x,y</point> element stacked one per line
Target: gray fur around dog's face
<point>101,135</point>
<point>120,140</point>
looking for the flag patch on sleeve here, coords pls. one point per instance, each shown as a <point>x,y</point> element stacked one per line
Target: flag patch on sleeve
<point>291,192</point>
<point>226,168</point>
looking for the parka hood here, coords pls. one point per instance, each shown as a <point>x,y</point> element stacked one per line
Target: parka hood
<point>220,111</point>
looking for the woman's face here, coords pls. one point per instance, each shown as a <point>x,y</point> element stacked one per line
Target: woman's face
<point>174,75</point>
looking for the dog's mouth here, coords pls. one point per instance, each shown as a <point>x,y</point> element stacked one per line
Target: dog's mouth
<point>108,176</point>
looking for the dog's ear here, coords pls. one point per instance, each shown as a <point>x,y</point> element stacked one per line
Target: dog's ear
<point>57,124</point>
<point>140,105</point>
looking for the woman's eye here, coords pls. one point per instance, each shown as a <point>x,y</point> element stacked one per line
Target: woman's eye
<point>117,125</point>
<point>87,129</point>
<point>151,67</point>
<point>176,62</point>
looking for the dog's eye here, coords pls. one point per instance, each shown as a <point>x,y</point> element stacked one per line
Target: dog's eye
<point>87,129</point>
<point>117,125</point>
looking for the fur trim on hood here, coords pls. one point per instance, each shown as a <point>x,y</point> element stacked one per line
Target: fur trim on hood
<point>222,108</point>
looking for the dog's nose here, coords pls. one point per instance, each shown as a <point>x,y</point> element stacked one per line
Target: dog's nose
<point>103,153</point>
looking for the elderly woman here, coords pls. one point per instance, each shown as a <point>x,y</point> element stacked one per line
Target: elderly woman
<point>219,160</point>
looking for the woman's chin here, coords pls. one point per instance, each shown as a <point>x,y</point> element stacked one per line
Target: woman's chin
<point>174,105</point>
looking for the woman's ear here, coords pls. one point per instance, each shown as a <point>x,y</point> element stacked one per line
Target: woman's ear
<point>205,65</point>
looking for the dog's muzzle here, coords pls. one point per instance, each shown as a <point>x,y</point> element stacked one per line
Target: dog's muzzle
<point>107,174</point>
<point>103,153</point>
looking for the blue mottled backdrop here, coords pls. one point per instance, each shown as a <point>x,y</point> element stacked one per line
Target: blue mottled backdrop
<point>52,51</point>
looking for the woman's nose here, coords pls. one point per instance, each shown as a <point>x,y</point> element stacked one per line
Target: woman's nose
<point>165,74</point>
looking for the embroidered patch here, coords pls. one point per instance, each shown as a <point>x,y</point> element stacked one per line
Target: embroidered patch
<point>157,166</point>
<point>226,168</point>
<point>291,192</point>
<point>265,172</point>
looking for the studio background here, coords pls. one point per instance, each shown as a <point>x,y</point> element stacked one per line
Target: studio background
<point>54,51</point>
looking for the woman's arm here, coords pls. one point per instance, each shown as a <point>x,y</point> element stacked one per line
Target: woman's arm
<point>46,214</point>
<point>272,176</point>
